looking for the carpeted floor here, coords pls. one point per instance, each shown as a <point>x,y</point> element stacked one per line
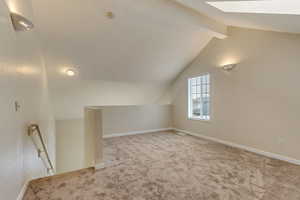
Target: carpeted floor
<point>166,166</point>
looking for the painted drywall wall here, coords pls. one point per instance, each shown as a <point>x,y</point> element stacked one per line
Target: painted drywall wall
<point>126,119</point>
<point>79,141</point>
<point>257,104</point>
<point>93,142</point>
<point>70,98</point>
<point>22,79</point>
<point>69,145</point>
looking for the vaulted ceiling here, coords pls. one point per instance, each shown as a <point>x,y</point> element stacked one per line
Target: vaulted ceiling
<point>149,41</point>
<point>135,40</point>
<point>127,51</point>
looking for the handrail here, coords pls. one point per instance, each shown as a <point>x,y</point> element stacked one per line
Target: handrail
<point>34,128</point>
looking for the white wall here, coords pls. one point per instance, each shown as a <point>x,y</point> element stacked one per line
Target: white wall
<point>70,138</point>
<point>93,142</point>
<point>22,78</point>
<point>256,105</point>
<point>126,119</point>
<point>70,98</point>
<point>78,140</point>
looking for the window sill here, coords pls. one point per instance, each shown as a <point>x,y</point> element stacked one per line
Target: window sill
<point>199,119</point>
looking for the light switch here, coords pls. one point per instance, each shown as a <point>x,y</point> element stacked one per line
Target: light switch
<point>17,106</point>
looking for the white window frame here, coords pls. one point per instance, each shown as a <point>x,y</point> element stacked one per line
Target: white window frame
<point>190,109</point>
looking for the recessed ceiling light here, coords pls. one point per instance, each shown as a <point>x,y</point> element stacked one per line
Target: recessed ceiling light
<point>70,72</point>
<point>290,7</point>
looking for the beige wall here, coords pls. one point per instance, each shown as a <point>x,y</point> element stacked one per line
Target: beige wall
<point>70,98</point>
<point>69,145</point>
<point>93,136</point>
<point>124,119</point>
<point>22,79</point>
<point>256,105</point>
<point>79,141</point>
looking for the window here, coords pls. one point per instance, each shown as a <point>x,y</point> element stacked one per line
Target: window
<point>199,97</point>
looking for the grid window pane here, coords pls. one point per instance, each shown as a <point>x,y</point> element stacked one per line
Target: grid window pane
<point>194,91</point>
<point>193,81</point>
<point>198,89</point>
<point>194,97</point>
<point>199,97</point>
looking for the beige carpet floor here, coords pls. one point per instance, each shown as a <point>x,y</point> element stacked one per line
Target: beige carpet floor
<point>166,166</point>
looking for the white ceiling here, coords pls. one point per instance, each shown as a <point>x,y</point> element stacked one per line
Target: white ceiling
<point>273,22</point>
<point>150,41</point>
<point>147,40</point>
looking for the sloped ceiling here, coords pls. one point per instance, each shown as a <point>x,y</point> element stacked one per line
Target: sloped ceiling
<point>148,41</point>
<point>129,59</point>
<point>133,57</point>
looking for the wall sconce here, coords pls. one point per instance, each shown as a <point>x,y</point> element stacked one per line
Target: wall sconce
<point>229,67</point>
<point>20,23</point>
<point>70,72</point>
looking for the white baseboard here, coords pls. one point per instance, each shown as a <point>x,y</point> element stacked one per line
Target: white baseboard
<point>136,132</point>
<point>99,166</point>
<point>243,147</point>
<point>106,164</point>
<point>23,190</point>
